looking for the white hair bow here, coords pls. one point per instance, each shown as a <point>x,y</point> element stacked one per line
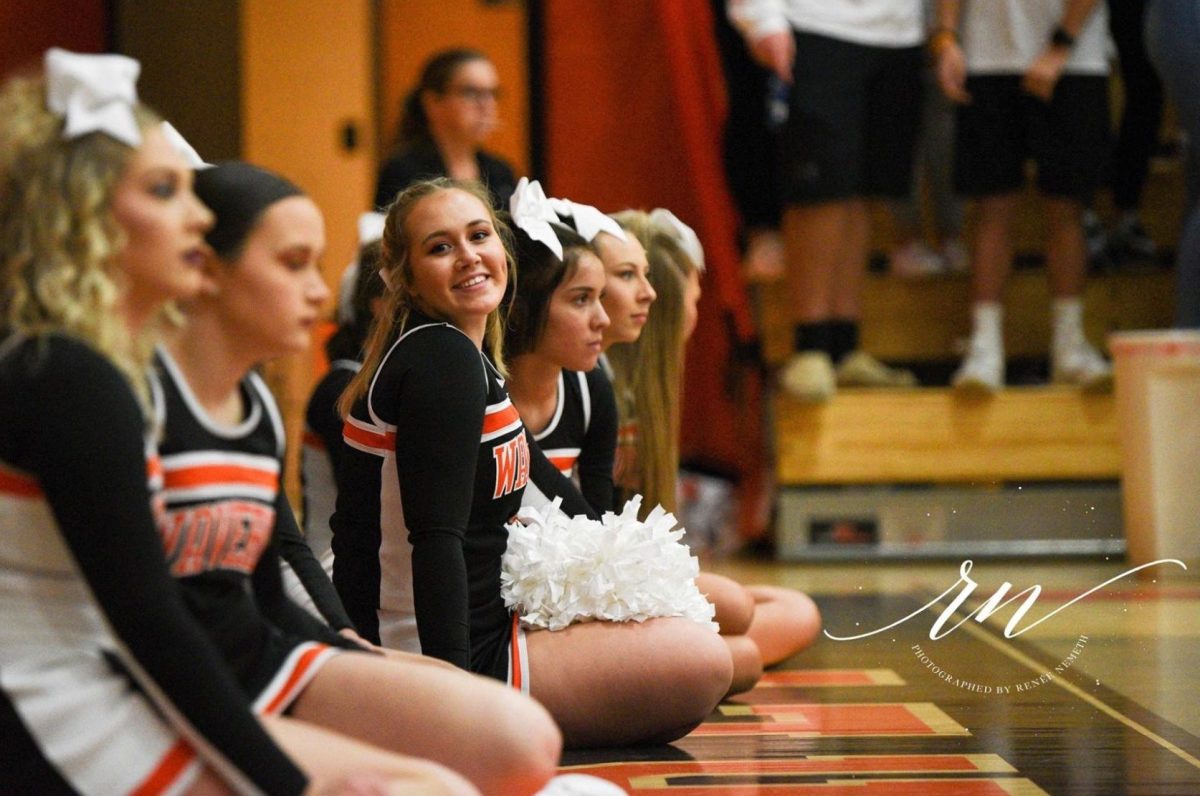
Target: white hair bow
<point>589,222</point>
<point>532,213</point>
<point>185,150</point>
<point>93,93</point>
<point>370,229</point>
<point>688,240</point>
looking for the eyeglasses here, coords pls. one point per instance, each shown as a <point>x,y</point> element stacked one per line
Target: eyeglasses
<point>476,94</point>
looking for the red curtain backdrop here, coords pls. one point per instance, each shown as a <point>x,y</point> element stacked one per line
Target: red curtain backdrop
<point>634,105</point>
<point>28,27</point>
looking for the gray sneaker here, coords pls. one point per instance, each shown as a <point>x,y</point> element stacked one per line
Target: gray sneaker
<point>808,376</point>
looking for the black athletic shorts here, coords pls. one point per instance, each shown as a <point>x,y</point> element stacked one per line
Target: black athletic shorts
<point>1003,127</point>
<point>853,119</point>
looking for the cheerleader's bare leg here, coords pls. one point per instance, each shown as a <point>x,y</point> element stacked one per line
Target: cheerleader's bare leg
<point>501,741</point>
<point>734,613</point>
<point>615,684</point>
<point>337,764</point>
<point>786,621</point>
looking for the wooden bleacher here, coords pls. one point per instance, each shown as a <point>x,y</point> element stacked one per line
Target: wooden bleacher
<point>929,471</point>
<point>935,436</point>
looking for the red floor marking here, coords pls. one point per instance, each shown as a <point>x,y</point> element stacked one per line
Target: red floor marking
<point>815,678</point>
<point>832,720</point>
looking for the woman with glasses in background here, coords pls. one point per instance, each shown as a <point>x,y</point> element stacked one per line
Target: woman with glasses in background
<point>443,124</point>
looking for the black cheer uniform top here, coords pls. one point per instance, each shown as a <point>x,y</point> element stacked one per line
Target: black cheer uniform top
<point>225,513</point>
<point>439,465</point>
<point>581,437</point>
<point>82,569</point>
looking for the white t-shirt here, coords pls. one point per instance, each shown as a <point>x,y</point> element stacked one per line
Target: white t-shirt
<point>878,23</point>
<point>1005,36</point>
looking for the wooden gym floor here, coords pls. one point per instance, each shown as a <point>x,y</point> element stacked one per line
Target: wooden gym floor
<point>1099,698</point>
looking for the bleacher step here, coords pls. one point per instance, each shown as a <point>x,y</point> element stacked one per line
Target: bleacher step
<point>939,436</point>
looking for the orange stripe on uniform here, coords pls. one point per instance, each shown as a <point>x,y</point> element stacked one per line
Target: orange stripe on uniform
<point>514,651</point>
<point>207,475</point>
<point>564,463</point>
<point>20,485</point>
<point>298,673</point>
<point>493,421</point>
<point>167,771</point>
<point>313,440</point>
<point>370,439</point>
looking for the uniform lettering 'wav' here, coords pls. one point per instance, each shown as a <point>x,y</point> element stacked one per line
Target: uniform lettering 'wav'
<point>512,465</point>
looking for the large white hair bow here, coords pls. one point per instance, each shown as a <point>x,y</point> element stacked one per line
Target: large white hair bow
<point>589,222</point>
<point>532,213</point>
<point>688,240</point>
<point>93,93</point>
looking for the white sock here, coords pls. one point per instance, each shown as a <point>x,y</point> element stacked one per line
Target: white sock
<point>987,325</point>
<point>1067,323</point>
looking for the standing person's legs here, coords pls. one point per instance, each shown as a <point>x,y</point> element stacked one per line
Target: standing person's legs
<point>821,173</point>
<point>992,253</point>
<point>616,684</point>
<point>1173,41</point>
<point>911,254</point>
<point>1070,138</point>
<point>435,713</point>
<point>751,154</point>
<point>933,183</point>
<point>989,163</point>
<point>1141,117</point>
<point>949,217</point>
<point>891,118</point>
<point>815,235</point>
<point>1066,251</point>
<point>1073,360</point>
<point>850,270</point>
<point>991,264</point>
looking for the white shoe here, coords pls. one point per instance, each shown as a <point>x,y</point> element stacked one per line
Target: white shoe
<point>982,369</point>
<point>808,376</point>
<point>1082,365</point>
<point>580,785</point>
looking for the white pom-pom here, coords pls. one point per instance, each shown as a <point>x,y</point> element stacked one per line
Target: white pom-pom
<point>559,570</point>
